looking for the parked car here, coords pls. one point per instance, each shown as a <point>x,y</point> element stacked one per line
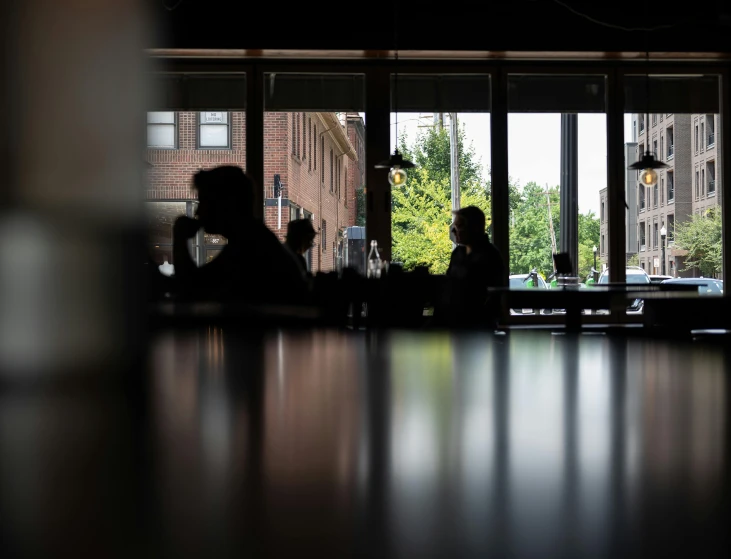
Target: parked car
<point>635,275</point>
<point>658,278</point>
<point>706,286</point>
<point>520,281</point>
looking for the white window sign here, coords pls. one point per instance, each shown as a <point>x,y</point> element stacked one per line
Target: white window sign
<point>214,118</point>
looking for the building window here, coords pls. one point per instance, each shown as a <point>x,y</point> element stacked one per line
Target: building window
<point>322,161</point>
<point>654,147</point>
<point>634,129</point>
<point>671,186</point>
<point>662,148</point>
<point>711,166</point>
<point>161,130</point>
<point>711,127</point>
<point>642,235</point>
<point>642,123</point>
<point>654,235</point>
<point>332,173</point>
<point>309,143</point>
<point>702,136</point>
<point>655,190</point>
<point>697,185</point>
<point>641,192</point>
<point>671,145</point>
<point>602,245</point>
<point>662,192</point>
<point>696,138</point>
<point>671,229</point>
<point>213,130</point>
<point>703,183</point>
<point>601,215</point>
<point>654,119</point>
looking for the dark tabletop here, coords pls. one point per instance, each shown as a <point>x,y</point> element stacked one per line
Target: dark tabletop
<point>325,443</point>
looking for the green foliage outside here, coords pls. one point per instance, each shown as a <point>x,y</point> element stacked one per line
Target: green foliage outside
<point>422,208</point>
<point>701,237</point>
<point>633,260</point>
<point>360,206</point>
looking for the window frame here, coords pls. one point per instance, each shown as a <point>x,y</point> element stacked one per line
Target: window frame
<point>176,131</point>
<point>229,135</point>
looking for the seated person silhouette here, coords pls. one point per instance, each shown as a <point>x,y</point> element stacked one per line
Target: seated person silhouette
<point>253,267</point>
<point>475,265</point>
<point>300,238</point>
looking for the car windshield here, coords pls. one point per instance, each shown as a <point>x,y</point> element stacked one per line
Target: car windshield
<point>631,278</point>
<point>708,287</point>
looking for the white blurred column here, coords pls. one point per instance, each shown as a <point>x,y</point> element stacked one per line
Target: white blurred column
<point>71,244</point>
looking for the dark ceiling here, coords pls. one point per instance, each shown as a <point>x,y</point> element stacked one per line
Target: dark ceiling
<point>518,25</point>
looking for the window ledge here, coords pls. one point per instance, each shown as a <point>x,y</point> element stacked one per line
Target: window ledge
<point>711,194</point>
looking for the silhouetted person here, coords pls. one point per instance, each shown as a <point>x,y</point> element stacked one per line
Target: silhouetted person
<point>253,266</point>
<point>475,265</point>
<point>300,238</point>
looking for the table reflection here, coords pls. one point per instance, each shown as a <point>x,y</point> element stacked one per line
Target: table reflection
<point>387,444</point>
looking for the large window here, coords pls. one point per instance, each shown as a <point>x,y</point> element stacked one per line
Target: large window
<point>321,119</point>
<point>161,130</point>
<point>554,121</point>
<point>209,115</point>
<point>450,134</point>
<point>213,130</point>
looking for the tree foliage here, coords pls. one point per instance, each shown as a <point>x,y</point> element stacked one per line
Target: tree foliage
<point>701,237</point>
<point>422,208</point>
<point>531,243</point>
<point>421,211</point>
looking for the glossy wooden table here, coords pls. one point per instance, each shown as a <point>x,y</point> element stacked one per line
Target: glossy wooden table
<point>326,443</point>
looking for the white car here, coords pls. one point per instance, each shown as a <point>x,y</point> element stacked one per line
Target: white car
<point>520,281</point>
<point>635,275</point>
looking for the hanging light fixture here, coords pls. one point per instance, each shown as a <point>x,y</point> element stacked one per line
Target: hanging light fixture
<point>396,163</point>
<point>648,165</point>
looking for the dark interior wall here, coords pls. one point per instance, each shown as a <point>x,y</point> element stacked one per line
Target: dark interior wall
<point>517,25</point>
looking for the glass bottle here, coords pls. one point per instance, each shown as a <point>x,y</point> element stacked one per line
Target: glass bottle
<point>374,261</point>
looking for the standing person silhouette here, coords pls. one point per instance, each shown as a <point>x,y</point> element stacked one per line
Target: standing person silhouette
<point>253,266</point>
<point>475,265</point>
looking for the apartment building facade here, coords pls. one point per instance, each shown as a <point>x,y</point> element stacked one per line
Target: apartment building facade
<point>308,165</point>
<point>690,185</point>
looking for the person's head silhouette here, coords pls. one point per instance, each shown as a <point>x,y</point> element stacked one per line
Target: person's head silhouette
<point>225,199</point>
<point>300,235</point>
<point>469,225</point>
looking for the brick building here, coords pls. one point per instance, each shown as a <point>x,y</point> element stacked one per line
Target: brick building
<point>687,143</point>
<point>313,164</point>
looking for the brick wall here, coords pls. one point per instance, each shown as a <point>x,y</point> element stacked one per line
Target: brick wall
<point>289,150</point>
<point>171,170</point>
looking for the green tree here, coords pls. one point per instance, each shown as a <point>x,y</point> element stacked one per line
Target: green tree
<point>360,206</point>
<point>422,208</point>
<point>530,230</point>
<point>588,239</point>
<point>633,260</point>
<point>701,237</point>
<point>531,244</point>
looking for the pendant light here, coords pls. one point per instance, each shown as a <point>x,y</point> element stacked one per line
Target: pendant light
<point>648,165</point>
<point>396,163</point>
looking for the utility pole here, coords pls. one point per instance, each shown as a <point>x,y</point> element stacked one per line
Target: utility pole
<point>439,120</point>
<point>550,221</point>
<point>454,161</point>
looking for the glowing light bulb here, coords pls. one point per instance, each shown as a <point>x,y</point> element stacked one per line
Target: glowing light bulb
<point>648,177</point>
<point>397,176</point>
